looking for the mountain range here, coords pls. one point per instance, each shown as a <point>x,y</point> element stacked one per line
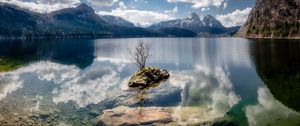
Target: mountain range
<point>202,25</point>
<point>82,21</point>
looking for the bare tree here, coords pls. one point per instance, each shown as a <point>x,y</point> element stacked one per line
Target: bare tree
<point>141,54</point>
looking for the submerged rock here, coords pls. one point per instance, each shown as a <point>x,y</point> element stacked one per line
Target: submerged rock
<point>135,116</point>
<point>148,77</point>
<point>1,118</point>
<point>167,116</point>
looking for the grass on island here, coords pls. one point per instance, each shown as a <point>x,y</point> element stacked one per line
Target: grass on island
<point>8,64</point>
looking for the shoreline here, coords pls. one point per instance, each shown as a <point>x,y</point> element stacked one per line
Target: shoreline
<point>271,38</point>
<point>36,38</point>
<point>118,37</point>
<point>107,37</point>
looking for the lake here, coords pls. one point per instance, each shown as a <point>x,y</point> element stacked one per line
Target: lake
<point>214,81</point>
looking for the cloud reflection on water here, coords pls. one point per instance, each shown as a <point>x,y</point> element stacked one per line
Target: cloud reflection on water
<point>269,111</point>
<point>92,86</point>
<point>72,84</point>
<point>201,71</point>
<point>208,90</point>
<point>8,84</point>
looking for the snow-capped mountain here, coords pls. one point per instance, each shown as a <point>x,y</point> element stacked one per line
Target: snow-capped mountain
<point>113,20</point>
<point>193,22</point>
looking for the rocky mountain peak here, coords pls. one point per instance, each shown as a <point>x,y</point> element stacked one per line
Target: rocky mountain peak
<point>113,20</point>
<point>211,21</point>
<point>210,17</point>
<point>86,8</point>
<point>194,16</point>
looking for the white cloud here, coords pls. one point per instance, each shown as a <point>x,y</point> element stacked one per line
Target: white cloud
<point>174,10</point>
<point>43,6</point>
<point>122,6</point>
<point>205,9</point>
<point>141,1</point>
<point>138,17</point>
<point>200,3</point>
<point>102,2</point>
<point>235,18</point>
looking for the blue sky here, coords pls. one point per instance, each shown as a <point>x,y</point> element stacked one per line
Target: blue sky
<point>184,8</point>
<point>146,12</point>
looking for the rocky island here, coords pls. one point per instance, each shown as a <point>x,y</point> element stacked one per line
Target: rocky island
<point>145,77</point>
<point>141,81</point>
<point>148,77</point>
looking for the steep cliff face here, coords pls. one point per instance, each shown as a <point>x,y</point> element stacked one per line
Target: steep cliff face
<point>273,19</point>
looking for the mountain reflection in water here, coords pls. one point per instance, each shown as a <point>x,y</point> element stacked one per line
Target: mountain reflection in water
<point>213,81</point>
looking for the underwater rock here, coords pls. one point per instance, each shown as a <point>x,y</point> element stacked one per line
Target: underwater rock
<point>148,77</point>
<point>1,118</point>
<point>135,116</point>
<point>167,116</point>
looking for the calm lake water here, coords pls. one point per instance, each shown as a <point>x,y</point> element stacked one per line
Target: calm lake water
<point>214,81</point>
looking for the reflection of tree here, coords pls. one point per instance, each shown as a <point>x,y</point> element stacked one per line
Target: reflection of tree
<point>141,99</point>
<point>278,64</point>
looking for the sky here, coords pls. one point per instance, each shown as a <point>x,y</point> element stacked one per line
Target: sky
<point>146,12</point>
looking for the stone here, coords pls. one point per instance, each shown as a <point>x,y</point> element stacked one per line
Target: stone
<point>148,77</point>
<point>1,118</point>
<point>167,116</point>
<point>135,116</point>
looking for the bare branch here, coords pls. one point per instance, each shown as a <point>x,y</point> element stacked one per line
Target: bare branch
<point>141,54</point>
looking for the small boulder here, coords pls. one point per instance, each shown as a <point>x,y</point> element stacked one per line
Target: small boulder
<point>148,77</point>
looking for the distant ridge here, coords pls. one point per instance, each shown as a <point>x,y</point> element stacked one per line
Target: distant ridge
<point>203,25</point>
<point>82,21</point>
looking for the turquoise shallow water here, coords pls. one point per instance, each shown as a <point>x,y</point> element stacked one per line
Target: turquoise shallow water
<point>223,81</point>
